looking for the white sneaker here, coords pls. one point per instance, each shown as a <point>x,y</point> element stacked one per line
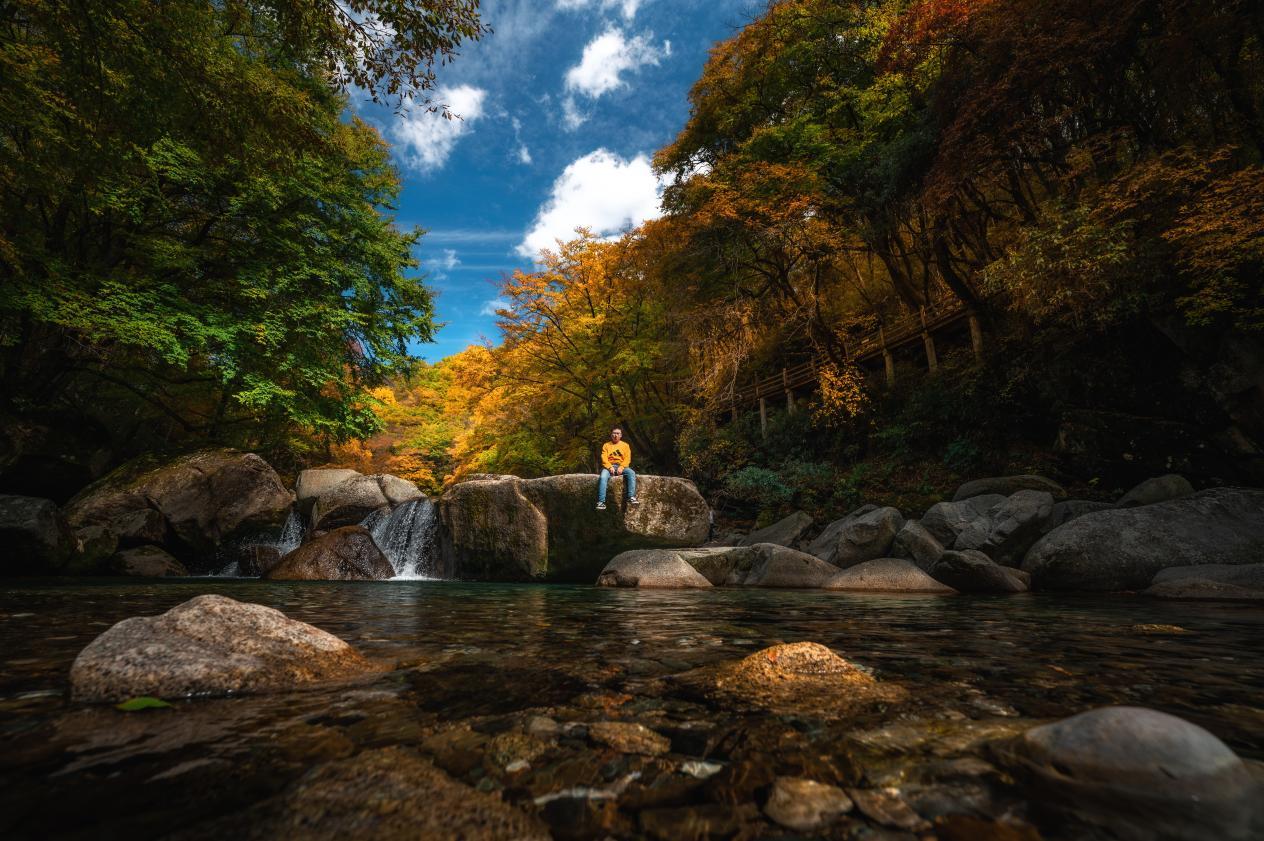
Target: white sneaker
<point>633,501</point>
<point>601,506</point>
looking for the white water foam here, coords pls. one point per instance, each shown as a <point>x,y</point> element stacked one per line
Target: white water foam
<point>408,536</point>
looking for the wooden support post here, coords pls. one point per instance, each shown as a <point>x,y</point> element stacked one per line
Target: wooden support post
<point>785,384</point>
<point>928,342</point>
<point>763,418</point>
<point>976,333</point>
<point>888,361</point>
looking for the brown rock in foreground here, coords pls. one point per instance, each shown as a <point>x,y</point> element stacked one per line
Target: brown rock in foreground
<point>210,645</point>
<point>801,677</point>
<point>345,554</point>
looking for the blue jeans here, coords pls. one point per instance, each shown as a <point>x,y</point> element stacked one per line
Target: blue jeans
<point>629,479</point>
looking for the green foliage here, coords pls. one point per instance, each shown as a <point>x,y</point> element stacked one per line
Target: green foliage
<point>962,455</point>
<point>757,486</point>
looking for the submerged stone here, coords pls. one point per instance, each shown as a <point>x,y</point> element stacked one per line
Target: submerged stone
<point>628,737</point>
<point>804,805</point>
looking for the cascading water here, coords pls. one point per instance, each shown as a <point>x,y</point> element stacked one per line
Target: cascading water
<point>407,536</point>
<point>290,538</point>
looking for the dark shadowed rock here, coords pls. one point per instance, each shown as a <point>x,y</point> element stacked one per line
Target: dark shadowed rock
<point>210,645</point>
<point>389,793</point>
<point>1069,509</point>
<point>191,504</point>
<point>650,568</point>
<point>1009,528</point>
<point>914,543</point>
<point>971,571</point>
<point>1158,489</point>
<point>147,562</point>
<point>778,566</point>
<point>1123,549</point>
<point>1140,773</point>
<point>784,532</point>
<point>1210,581</point>
<point>351,500</point>
<point>344,554</point>
<point>893,575</point>
<point>862,538</point>
<point>518,529</point>
<point>804,805</point>
<point>721,565</point>
<point>315,481</point>
<point>35,536</point>
<point>1008,485</point>
<point>825,542</point>
<point>946,520</point>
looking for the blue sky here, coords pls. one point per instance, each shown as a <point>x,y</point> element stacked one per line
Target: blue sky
<point>562,106</point>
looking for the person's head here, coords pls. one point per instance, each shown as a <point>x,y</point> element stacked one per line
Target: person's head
<point>616,434</point>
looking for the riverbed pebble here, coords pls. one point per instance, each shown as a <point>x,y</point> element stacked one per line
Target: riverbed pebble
<point>804,805</point>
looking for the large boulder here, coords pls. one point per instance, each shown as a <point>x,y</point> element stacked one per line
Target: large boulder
<point>344,554</point>
<point>893,575</point>
<point>315,481</point>
<point>1140,773</point>
<point>146,562</point>
<point>862,538</point>
<point>36,537</point>
<point>971,571</point>
<point>915,543</point>
<point>191,505</point>
<point>521,529</point>
<point>1210,581</point>
<point>1008,485</point>
<point>650,568</point>
<point>210,645</point>
<point>348,502</point>
<point>779,566</point>
<point>825,542</point>
<point>946,520</point>
<point>1124,548</point>
<point>721,564</point>
<point>1009,528</point>
<point>1158,489</point>
<point>784,532</point>
<point>1068,509</point>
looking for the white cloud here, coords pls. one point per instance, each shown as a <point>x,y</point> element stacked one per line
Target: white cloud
<point>627,7</point>
<point>490,307</point>
<point>426,139</point>
<point>572,117</point>
<point>607,56</point>
<point>524,154</point>
<point>600,191</point>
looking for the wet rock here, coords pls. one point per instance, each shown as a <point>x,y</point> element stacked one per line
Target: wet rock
<point>387,793</point>
<point>512,748</point>
<point>887,575</point>
<point>914,543</point>
<point>36,537</point>
<point>351,500</point>
<point>628,737</point>
<point>1140,773</point>
<point>946,520</point>
<point>1009,528</point>
<point>543,727</point>
<point>1210,581</point>
<point>971,571</point>
<point>784,532</point>
<point>862,538</point>
<point>650,568</point>
<point>344,554</point>
<point>547,528</point>
<point>803,677</point>
<point>887,807</point>
<point>721,565</point>
<point>94,545</point>
<point>210,645</point>
<point>146,562</point>
<point>699,769</point>
<point>804,805</point>
<point>1155,630</point>
<point>1158,489</point>
<point>192,504</point>
<point>1069,509</point>
<point>778,566</point>
<point>694,823</point>
<point>1008,485</point>
<point>315,481</point>
<point>825,542</point>
<point>1123,549</point>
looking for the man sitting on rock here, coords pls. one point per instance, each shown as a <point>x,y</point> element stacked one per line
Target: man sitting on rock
<point>616,460</point>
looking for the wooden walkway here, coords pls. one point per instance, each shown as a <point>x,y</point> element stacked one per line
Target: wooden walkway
<point>916,327</point>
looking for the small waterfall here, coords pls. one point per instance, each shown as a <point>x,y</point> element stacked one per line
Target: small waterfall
<point>407,536</point>
<point>290,538</point>
<point>291,533</point>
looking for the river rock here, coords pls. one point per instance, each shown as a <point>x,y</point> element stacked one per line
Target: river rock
<point>146,562</point>
<point>344,554</point>
<point>190,505</point>
<point>522,529</point>
<point>803,805</point>
<point>1158,489</point>
<point>650,568</point>
<point>94,546</point>
<point>894,575</point>
<point>1068,509</point>
<point>778,566</point>
<point>825,542</point>
<point>1009,528</point>
<point>721,565</point>
<point>1009,485</point>
<point>210,645</point>
<point>348,502</point>
<point>971,571</point>
<point>315,481</point>
<point>1123,549</point>
<point>913,542</point>
<point>784,532</point>
<point>946,520</point>
<point>36,537</point>
<point>863,538</point>
<point>1140,773</point>
<point>1210,581</point>
<point>629,737</point>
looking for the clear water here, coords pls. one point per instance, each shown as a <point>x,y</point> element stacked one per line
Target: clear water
<point>490,656</point>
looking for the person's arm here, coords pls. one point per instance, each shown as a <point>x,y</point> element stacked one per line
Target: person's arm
<point>627,454</point>
<point>605,456</point>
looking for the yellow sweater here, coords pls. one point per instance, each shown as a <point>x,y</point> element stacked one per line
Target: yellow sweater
<point>616,454</point>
